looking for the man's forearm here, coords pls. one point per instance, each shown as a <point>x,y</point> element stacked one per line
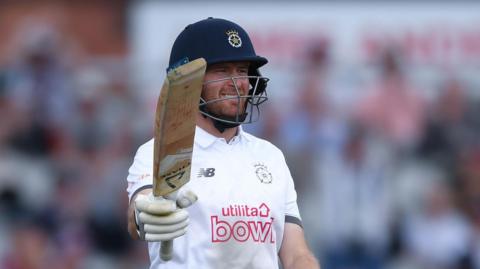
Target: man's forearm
<point>132,226</point>
<point>307,261</point>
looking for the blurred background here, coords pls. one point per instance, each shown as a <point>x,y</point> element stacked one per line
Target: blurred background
<point>374,103</point>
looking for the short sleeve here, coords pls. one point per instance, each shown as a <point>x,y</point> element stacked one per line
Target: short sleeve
<point>140,172</point>
<point>292,214</point>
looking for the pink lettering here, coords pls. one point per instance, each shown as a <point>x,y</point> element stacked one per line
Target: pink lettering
<point>260,230</point>
<point>246,211</point>
<point>240,231</point>
<point>221,230</point>
<point>225,212</point>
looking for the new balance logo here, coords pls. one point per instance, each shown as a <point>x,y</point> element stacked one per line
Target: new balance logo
<point>206,172</point>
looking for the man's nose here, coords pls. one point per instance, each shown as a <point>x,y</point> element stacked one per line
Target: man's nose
<point>241,83</point>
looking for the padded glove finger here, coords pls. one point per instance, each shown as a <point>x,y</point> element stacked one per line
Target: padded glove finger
<point>164,237</point>
<point>164,229</point>
<point>178,216</point>
<point>154,205</point>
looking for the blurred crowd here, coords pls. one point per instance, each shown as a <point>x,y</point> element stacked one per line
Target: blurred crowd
<point>387,174</point>
<point>69,128</point>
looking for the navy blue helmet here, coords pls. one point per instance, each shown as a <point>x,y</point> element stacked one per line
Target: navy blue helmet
<point>217,41</point>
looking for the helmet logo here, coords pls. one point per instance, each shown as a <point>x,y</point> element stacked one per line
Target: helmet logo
<point>234,39</point>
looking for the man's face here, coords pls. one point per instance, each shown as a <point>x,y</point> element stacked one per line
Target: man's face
<point>226,82</point>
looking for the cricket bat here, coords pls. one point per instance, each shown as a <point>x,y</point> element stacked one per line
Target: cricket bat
<point>175,117</point>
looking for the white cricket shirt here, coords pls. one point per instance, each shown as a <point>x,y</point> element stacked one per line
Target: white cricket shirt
<point>245,196</point>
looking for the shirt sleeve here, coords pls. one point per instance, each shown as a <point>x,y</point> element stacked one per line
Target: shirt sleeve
<point>140,172</point>
<point>292,214</point>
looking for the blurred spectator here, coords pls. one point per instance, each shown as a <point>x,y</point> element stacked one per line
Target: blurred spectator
<point>469,195</point>
<point>393,110</point>
<point>30,248</point>
<point>312,127</point>
<point>451,127</point>
<point>437,235</point>
<point>353,205</point>
<point>40,88</point>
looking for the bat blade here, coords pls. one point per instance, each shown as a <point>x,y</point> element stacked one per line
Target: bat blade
<point>175,118</point>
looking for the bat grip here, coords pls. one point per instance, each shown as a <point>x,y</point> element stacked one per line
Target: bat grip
<point>166,248</point>
<point>186,199</point>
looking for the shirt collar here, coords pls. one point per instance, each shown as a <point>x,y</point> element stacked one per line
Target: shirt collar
<point>205,139</point>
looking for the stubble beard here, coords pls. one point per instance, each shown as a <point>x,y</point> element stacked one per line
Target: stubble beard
<point>228,108</point>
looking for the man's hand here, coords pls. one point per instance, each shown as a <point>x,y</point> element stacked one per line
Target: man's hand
<point>160,219</point>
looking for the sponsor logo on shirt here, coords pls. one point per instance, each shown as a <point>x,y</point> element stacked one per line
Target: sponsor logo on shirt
<point>256,224</point>
<point>206,172</point>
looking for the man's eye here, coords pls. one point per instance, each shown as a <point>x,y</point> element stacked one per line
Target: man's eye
<point>243,72</point>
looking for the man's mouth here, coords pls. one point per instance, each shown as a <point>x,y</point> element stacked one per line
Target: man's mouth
<point>229,96</point>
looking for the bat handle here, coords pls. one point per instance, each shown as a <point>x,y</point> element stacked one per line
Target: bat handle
<point>186,199</point>
<point>166,248</point>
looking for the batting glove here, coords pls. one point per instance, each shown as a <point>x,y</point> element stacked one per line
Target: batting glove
<point>160,219</point>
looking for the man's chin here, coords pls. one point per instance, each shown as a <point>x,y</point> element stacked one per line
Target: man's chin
<point>227,112</point>
<point>231,113</point>
<point>228,115</point>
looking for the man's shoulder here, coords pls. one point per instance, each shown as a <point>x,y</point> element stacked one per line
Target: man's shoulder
<point>261,143</point>
<point>146,147</point>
